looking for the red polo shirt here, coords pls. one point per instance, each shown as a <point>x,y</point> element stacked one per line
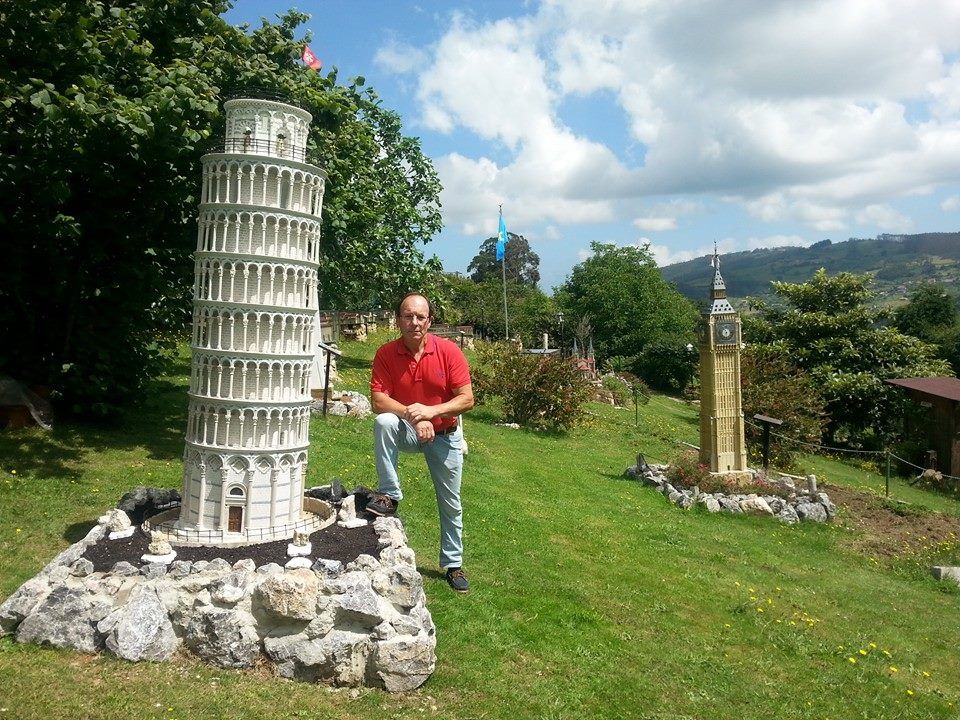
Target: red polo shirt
<point>442,368</point>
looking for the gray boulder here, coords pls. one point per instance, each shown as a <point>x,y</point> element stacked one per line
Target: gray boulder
<point>142,630</point>
<point>339,658</point>
<point>730,504</point>
<point>828,505</point>
<point>811,511</point>
<point>363,608</point>
<point>788,515</point>
<point>328,568</point>
<point>292,595</point>
<point>404,663</point>
<point>755,505</point>
<point>776,503</point>
<point>222,637</point>
<point>16,607</point>
<point>67,617</point>
<point>124,568</point>
<point>401,585</point>
<point>231,588</point>
<point>710,503</point>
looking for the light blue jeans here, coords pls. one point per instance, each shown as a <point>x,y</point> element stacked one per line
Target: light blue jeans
<point>444,456</point>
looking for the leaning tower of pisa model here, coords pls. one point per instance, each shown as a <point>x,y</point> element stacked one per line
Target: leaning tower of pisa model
<point>255,297</point>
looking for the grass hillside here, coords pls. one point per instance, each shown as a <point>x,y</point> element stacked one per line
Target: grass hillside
<point>592,597</point>
<point>899,263</point>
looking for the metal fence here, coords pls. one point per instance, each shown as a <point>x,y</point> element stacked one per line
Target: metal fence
<point>320,515</point>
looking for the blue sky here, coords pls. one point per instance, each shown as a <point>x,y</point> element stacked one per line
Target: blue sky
<point>670,122</point>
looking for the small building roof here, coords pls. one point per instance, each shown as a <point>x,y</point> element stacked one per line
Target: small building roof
<point>942,387</point>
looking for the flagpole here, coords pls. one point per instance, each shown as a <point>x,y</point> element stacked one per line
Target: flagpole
<point>503,269</point>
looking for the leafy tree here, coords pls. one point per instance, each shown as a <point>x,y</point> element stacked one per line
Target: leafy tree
<point>666,364</point>
<point>929,309</point>
<point>531,312</point>
<point>931,315</point>
<point>522,263</point>
<point>628,302</point>
<point>771,385</point>
<point>107,110</point>
<point>828,331</point>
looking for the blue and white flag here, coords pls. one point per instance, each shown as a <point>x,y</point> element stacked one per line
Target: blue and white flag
<point>502,238</point>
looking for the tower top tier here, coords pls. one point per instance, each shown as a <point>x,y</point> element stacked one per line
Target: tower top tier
<point>719,305</point>
<point>267,128</point>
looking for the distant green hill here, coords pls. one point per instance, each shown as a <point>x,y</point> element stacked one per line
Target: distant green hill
<point>898,262</point>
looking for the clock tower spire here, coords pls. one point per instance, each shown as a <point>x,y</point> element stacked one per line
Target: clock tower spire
<point>722,445</point>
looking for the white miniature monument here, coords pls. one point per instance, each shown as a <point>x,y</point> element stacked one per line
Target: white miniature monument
<point>253,330</point>
<point>254,336</point>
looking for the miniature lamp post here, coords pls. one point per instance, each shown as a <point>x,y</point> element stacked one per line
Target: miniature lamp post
<point>560,334</point>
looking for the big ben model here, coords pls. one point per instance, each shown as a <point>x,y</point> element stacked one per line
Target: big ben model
<point>722,446</point>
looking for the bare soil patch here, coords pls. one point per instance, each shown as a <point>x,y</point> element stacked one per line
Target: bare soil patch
<point>886,529</point>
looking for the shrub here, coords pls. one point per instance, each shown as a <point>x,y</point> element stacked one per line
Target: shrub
<point>618,387</point>
<point>773,386</point>
<point>539,391</point>
<point>686,470</point>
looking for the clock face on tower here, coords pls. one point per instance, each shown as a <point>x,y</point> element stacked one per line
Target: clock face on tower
<point>725,333</point>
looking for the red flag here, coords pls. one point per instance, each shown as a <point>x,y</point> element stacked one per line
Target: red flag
<point>311,60</point>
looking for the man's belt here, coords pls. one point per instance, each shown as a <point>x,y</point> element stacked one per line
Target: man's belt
<point>446,431</point>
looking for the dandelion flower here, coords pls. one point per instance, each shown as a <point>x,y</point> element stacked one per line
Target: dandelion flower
<point>926,674</point>
<point>863,652</point>
<point>852,660</point>
<point>894,668</point>
<point>909,691</point>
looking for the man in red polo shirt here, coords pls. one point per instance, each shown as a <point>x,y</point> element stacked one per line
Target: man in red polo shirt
<point>420,385</point>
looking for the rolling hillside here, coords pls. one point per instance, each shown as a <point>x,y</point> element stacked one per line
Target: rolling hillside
<point>898,262</point>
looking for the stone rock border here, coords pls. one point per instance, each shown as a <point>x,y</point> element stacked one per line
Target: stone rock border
<point>365,623</point>
<point>946,572</point>
<point>799,504</point>
<point>344,403</point>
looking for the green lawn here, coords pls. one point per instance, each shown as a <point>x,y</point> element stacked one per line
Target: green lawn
<point>592,597</point>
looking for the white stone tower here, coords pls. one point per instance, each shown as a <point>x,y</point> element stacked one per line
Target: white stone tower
<point>255,298</point>
<point>722,445</point>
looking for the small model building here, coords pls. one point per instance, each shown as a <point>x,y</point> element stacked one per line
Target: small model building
<point>255,301</point>
<point>722,445</point>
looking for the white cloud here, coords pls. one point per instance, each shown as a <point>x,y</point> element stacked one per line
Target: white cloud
<point>655,224</point>
<point>773,241</point>
<point>399,58</point>
<point>885,218</point>
<point>951,203</point>
<point>778,207</point>
<point>817,113</point>
<point>665,255</point>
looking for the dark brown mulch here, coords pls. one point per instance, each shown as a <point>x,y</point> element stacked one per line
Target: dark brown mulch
<point>331,543</point>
